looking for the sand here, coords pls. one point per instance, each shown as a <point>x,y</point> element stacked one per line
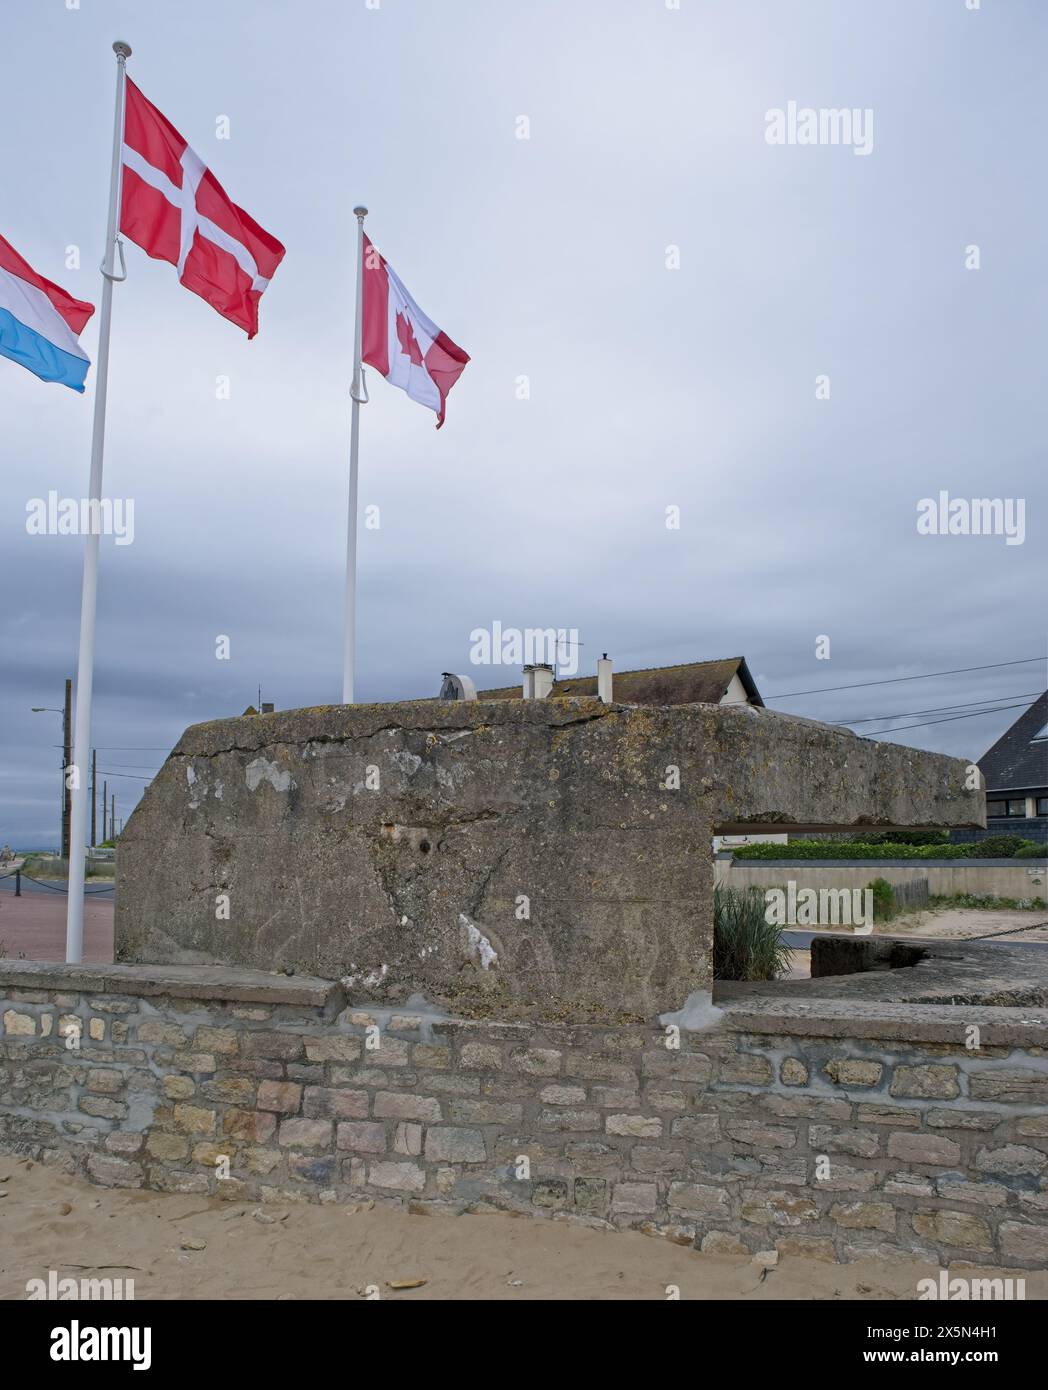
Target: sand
<point>958,923</point>
<point>52,1221</point>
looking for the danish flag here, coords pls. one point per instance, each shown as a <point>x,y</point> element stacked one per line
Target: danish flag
<point>176,210</point>
<point>401,342</point>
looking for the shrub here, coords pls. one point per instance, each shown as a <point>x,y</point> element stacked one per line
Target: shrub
<point>993,847</point>
<point>848,849</point>
<point>996,847</point>
<point>1031,851</point>
<point>907,837</point>
<point>746,946</point>
<point>883,900</point>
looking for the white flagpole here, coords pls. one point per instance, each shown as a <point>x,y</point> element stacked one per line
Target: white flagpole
<point>86,657</point>
<point>349,650</point>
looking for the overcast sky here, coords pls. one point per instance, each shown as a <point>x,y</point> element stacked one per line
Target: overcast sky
<point>544,258</point>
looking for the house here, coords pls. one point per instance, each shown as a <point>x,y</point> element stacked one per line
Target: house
<point>1015,771</point>
<point>697,682</point>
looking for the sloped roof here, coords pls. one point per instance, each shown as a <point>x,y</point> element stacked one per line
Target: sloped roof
<point>1016,762</point>
<point>697,682</point>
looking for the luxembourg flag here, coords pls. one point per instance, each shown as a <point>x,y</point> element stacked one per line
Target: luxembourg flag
<point>40,323</point>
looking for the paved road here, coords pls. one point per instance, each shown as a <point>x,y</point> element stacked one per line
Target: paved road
<point>33,926</point>
<point>55,886</point>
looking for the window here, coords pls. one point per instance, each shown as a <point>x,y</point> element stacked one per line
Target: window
<point>1041,734</point>
<point>1017,807</point>
<point>1042,805</point>
<point>995,808</point>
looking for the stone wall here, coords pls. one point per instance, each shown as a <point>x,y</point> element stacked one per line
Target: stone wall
<point>546,857</point>
<point>828,1129</point>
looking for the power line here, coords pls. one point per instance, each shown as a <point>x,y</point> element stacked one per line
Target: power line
<point>128,767</point>
<point>940,709</point>
<point>894,680</point>
<point>949,719</point>
<point>106,748</point>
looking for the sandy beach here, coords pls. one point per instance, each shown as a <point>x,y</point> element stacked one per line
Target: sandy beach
<point>52,1221</point>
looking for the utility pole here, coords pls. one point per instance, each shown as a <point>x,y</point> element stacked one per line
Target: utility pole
<point>105,805</point>
<point>67,746</point>
<point>94,793</point>
<point>112,817</point>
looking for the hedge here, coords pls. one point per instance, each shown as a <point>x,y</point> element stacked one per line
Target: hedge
<point>843,849</point>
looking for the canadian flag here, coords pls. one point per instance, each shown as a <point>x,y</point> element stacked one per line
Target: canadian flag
<point>176,210</point>
<point>401,342</point>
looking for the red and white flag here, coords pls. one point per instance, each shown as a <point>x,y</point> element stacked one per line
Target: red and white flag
<point>402,343</point>
<point>176,210</point>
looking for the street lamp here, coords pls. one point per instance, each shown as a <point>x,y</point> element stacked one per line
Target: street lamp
<point>67,752</point>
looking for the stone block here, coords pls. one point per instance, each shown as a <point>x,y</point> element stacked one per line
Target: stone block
<point>362,1136</point>
<point>846,1071</point>
<point>282,1097</point>
<point>305,1134</point>
<point>450,1144</point>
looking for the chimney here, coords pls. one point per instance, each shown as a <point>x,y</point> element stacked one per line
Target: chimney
<point>604,679</point>
<point>529,683</point>
<point>542,676</point>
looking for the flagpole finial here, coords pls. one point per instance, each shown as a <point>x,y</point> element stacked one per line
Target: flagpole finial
<point>122,49</point>
<point>360,212</point>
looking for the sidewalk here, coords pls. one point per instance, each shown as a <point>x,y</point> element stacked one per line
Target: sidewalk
<point>34,926</point>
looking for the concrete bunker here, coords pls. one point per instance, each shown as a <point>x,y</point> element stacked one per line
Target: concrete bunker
<point>503,858</point>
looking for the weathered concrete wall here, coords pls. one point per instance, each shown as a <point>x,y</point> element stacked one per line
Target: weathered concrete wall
<point>1019,878</point>
<point>828,1129</point>
<point>507,855</point>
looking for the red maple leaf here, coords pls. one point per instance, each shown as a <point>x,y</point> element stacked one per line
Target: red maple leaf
<point>408,342</point>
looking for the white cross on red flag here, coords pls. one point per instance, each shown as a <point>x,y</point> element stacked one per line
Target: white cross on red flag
<point>176,210</point>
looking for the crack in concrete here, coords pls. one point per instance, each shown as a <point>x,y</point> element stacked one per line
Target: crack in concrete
<point>320,738</point>
<point>477,896</point>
